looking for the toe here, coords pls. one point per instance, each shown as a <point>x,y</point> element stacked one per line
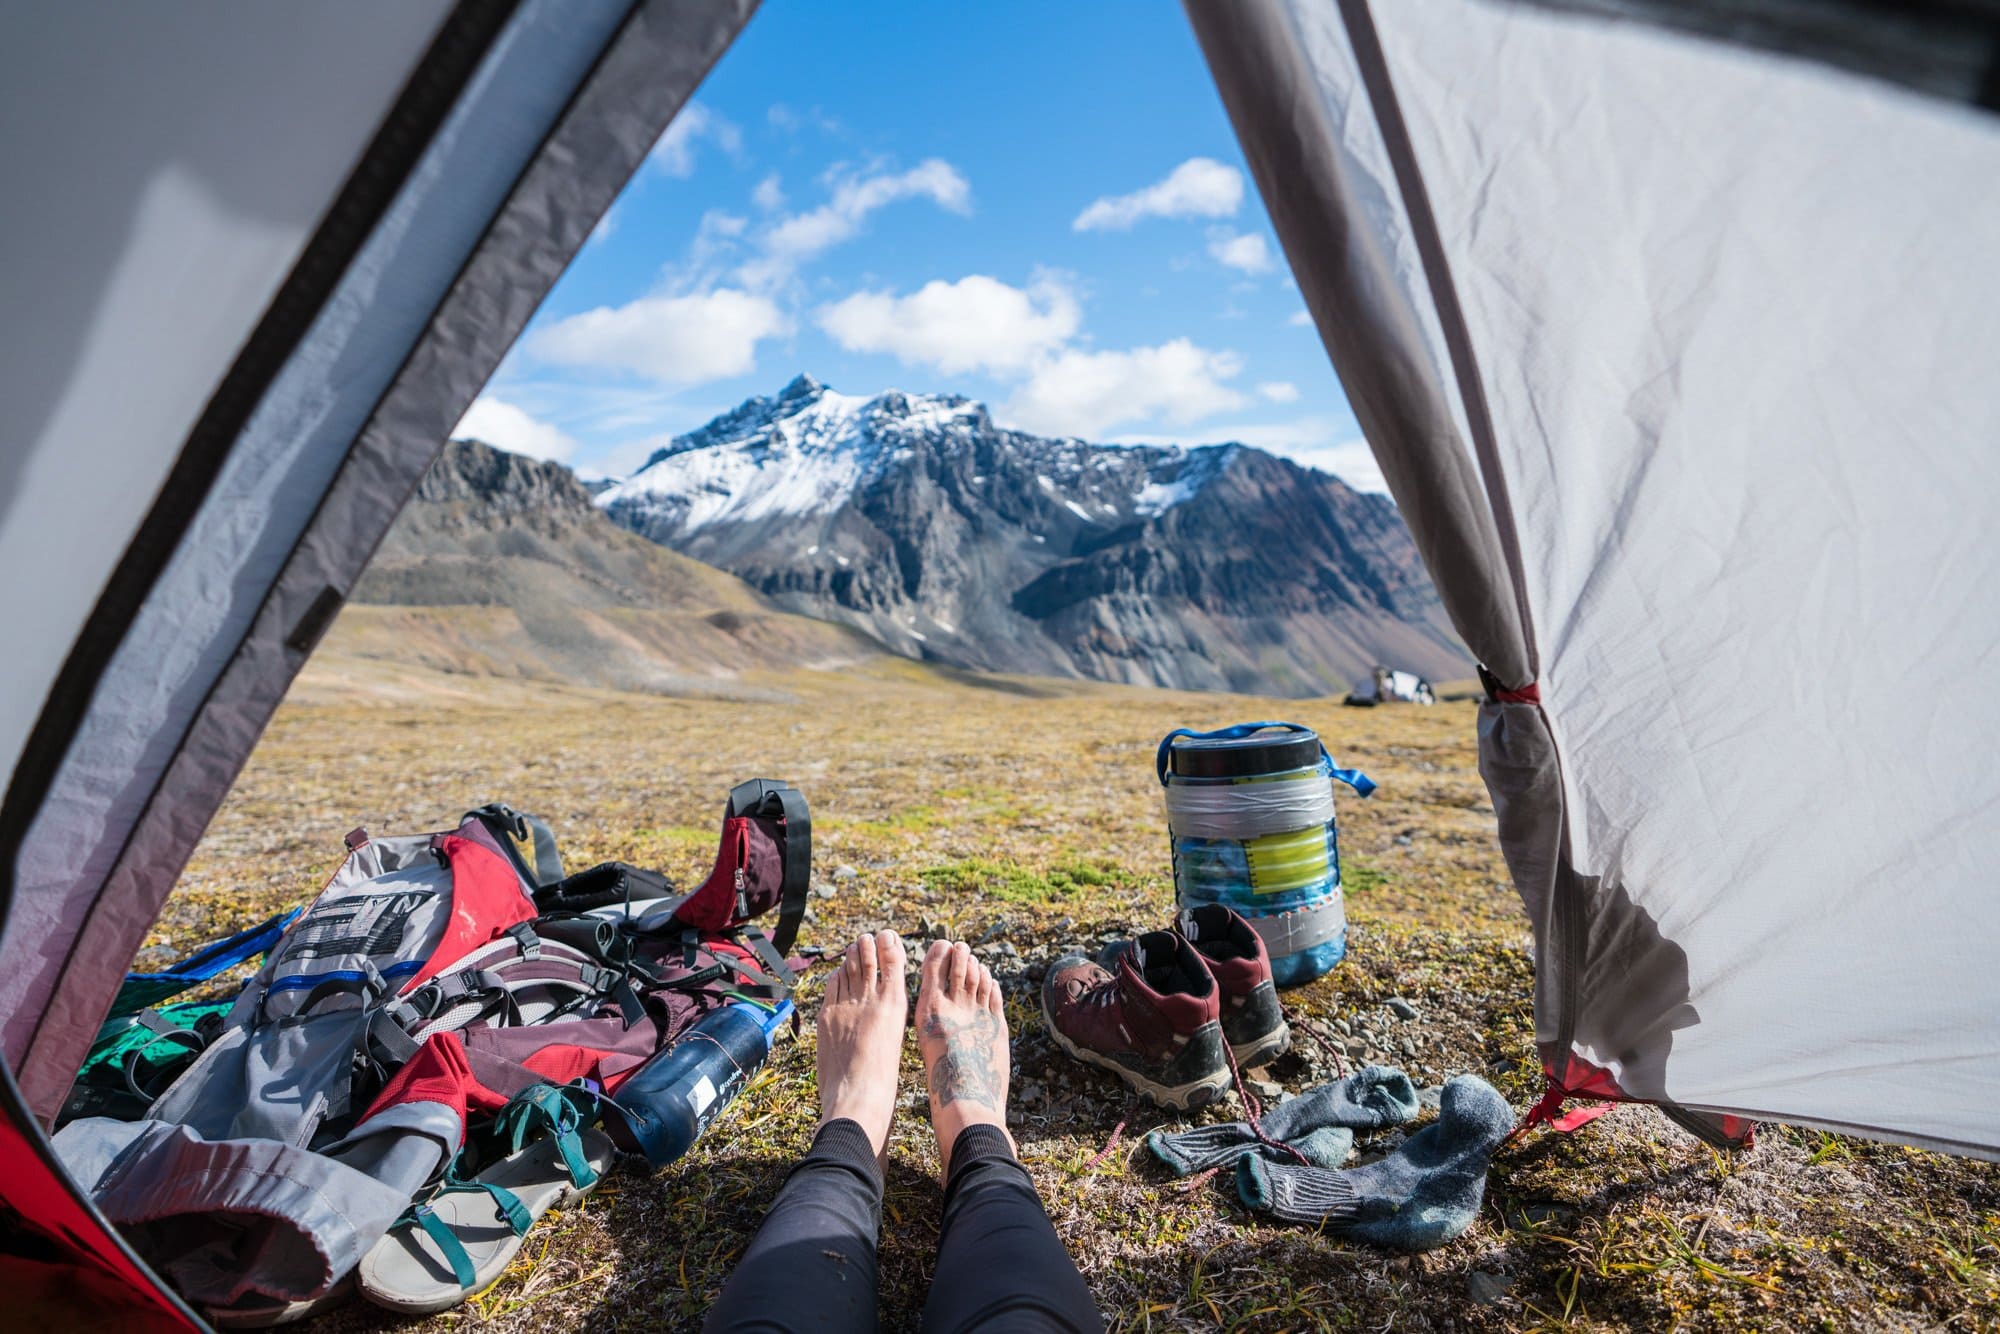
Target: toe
<point>890,957</point>
<point>935,959</point>
<point>866,967</point>
<point>962,965</point>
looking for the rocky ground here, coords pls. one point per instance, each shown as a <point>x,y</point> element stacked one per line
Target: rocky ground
<point>1026,820</point>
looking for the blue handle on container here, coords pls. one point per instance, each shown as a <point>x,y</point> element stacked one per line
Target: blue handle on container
<point>1354,778</point>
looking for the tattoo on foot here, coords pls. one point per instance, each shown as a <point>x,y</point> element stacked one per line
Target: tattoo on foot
<point>966,1071</point>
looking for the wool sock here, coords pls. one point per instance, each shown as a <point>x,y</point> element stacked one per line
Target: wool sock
<point>1422,1195</point>
<point>1319,1123</point>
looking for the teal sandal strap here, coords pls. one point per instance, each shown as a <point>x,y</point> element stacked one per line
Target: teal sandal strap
<point>447,1243</point>
<point>547,1109</point>
<point>507,1207</point>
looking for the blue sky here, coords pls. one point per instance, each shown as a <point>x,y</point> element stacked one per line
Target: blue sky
<point>1037,205</point>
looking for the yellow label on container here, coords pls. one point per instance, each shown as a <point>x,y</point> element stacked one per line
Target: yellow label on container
<point>1281,863</point>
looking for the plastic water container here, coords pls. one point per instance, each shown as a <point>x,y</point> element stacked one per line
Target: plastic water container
<point>665,1105</point>
<point>1250,816</point>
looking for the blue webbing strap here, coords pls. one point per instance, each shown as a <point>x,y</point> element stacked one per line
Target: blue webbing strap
<point>1354,778</point>
<point>206,962</point>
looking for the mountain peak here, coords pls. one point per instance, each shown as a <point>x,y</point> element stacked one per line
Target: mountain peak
<point>802,389</point>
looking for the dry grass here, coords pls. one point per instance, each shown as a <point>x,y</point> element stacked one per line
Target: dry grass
<point>1026,817</point>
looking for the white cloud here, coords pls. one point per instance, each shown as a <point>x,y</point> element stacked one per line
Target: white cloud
<point>621,460</point>
<point>1301,319</point>
<point>1084,393</point>
<point>1279,391</point>
<point>674,154</point>
<point>791,121</point>
<point>605,226</point>
<point>1199,188</point>
<point>799,237</point>
<point>1246,251</point>
<point>674,339</point>
<point>1317,441</point>
<point>976,323</point>
<point>769,194</point>
<point>717,240</point>
<point>1351,461</point>
<point>721,223</point>
<point>507,427</point>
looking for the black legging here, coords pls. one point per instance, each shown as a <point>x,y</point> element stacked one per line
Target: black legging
<point>812,1263</point>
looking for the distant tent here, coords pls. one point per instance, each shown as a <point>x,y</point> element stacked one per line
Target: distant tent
<point>1677,352</point>
<point>1386,685</point>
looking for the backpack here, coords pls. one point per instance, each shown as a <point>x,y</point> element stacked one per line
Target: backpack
<point>434,977</point>
<point>396,913</point>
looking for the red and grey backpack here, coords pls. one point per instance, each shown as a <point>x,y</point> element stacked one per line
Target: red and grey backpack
<point>433,978</point>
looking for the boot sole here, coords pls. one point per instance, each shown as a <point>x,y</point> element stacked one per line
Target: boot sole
<point>1183,1097</point>
<point>1267,1048</point>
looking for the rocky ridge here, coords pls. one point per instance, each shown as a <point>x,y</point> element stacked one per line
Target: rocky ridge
<point>947,537</point>
<point>502,566</point>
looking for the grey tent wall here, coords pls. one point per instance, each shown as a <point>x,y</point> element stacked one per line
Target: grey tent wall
<point>1458,512</point>
<point>641,74</point>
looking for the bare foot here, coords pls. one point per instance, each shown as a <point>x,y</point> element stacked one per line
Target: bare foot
<point>962,1032</point>
<point>860,1038</point>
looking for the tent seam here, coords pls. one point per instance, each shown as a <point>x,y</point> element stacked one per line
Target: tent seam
<point>1373,66</point>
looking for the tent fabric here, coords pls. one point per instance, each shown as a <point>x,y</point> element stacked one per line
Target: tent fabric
<point>146,273</point>
<point>309,236</point>
<point>1728,319</point>
<point>105,1285</point>
<point>338,441</point>
<point>1332,189</point>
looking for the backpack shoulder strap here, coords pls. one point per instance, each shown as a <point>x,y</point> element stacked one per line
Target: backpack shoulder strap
<point>511,825</point>
<point>781,801</point>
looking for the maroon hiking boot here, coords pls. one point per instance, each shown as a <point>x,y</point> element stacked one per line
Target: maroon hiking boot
<point>1154,1020</point>
<point>1253,1024</point>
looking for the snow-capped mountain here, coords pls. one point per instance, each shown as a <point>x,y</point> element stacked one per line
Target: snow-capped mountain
<point>916,519</point>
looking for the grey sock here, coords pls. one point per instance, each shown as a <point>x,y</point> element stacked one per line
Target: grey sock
<point>1319,1123</point>
<point>1420,1196</point>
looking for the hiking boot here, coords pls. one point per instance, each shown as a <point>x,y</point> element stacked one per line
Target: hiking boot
<point>1154,1020</point>
<point>1252,1023</point>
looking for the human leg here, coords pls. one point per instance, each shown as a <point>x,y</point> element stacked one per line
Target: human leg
<point>812,1263</point>
<point>1000,1264</point>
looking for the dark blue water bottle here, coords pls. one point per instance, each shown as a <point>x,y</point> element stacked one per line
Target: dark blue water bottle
<point>663,1108</point>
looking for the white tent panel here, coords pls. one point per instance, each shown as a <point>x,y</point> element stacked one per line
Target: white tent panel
<point>198,146</point>
<point>1736,321</point>
<point>277,477</point>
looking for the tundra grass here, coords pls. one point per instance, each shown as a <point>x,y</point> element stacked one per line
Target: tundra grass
<point>1027,819</point>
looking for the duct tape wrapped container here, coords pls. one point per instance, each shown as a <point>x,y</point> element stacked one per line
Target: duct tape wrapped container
<point>1250,816</point>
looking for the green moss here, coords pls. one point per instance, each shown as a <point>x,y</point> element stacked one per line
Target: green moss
<point>1013,882</point>
<point>910,820</point>
<point>1359,877</point>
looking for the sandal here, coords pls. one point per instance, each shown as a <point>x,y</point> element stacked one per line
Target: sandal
<point>460,1240</point>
